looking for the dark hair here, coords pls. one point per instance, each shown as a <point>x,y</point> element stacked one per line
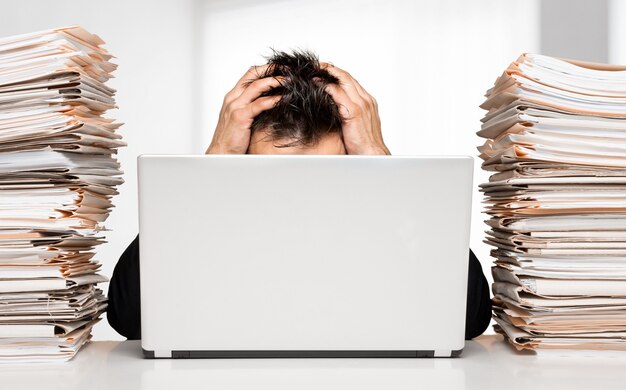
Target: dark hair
<point>306,111</point>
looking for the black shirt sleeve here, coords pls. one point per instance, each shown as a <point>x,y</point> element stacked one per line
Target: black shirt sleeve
<point>478,314</point>
<point>123,312</point>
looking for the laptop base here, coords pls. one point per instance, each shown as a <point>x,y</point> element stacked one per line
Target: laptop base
<point>297,354</point>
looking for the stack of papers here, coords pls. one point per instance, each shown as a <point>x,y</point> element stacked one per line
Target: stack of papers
<point>556,142</point>
<point>57,176</point>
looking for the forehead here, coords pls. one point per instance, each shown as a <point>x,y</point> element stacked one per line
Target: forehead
<point>262,143</point>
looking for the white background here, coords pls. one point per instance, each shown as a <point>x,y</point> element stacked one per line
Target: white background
<point>427,62</point>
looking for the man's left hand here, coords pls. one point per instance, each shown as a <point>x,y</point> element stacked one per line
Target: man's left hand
<point>359,111</point>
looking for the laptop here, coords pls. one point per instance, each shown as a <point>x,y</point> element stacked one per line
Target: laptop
<point>259,256</point>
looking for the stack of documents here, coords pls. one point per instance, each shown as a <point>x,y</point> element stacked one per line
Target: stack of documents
<point>57,176</point>
<point>556,142</point>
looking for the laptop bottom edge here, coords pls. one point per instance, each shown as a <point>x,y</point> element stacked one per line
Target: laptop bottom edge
<point>257,354</point>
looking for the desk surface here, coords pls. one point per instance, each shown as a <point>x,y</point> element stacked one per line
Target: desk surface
<point>487,363</point>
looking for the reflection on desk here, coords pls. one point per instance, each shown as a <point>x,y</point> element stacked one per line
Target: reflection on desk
<point>487,363</point>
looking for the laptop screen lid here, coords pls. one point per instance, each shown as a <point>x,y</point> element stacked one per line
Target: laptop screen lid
<point>258,256</point>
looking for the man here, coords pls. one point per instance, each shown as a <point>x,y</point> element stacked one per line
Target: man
<point>292,105</point>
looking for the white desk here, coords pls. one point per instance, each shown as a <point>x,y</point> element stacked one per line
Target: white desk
<point>487,363</point>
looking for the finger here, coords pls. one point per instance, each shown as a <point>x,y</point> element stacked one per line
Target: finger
<point>348,83</point>
<point>252,74</point>
<point>369,100</point>
<point>263,104</point>
<point>255,72</point>
<point>345,75</point>
<point>355,83</point>
<point>347,107</point>
<point>363,92</point>
<point>256,88</point>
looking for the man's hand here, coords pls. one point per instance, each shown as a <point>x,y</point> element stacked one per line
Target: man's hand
<point>241,105</point>
<point>359,110</point>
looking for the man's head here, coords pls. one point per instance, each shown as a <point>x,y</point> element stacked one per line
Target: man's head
<point>306,119</point>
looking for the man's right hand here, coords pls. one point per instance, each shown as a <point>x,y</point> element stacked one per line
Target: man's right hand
<point>241,105</point>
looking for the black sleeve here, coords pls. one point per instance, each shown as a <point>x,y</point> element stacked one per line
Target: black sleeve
<point>478,314</point>
<point>123,312</point>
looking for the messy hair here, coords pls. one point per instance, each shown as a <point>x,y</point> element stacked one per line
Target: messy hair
<point>306,112</point>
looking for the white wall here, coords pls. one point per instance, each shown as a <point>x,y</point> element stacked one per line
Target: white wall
<point>153,43</point>
<point>617,32</point>
<point>428,63</point>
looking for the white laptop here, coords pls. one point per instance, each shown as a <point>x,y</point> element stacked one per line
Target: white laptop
<point>303,256</point>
